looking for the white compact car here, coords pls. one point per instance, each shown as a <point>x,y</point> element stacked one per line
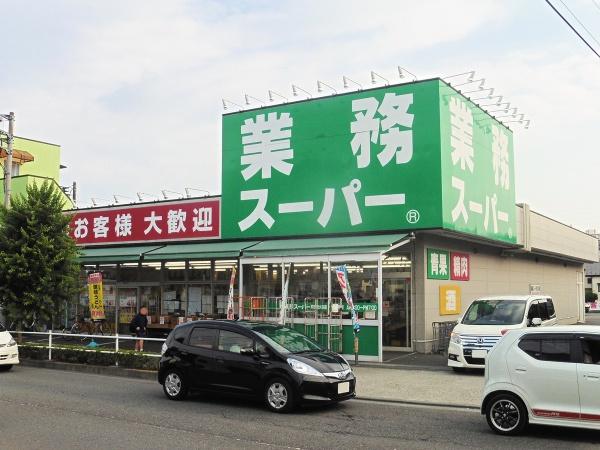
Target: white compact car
<point>9,352</point>
<point>544,376</point>
<point>487,319</point>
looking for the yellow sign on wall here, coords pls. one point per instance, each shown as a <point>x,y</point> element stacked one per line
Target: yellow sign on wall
<point>449,299</point>
<point>96,296</point>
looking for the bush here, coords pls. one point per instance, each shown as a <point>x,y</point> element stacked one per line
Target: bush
<point>127,359</point>
<point>591,296</point>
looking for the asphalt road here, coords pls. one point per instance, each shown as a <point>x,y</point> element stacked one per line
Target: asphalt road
<point>51,409</point>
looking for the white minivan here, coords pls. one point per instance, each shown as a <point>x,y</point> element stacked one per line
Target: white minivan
<point>488,319</point>
<point>9,352</point>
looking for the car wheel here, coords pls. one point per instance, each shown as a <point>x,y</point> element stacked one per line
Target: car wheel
<point>279,396</point>
<point>174,386</point>
<point>5,368</point>
<point>506,414</point>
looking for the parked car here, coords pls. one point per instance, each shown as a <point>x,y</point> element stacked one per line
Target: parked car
<point>268,361</point>
<point>9,352</point>
<point>544,376</point>
<point>487,319</point>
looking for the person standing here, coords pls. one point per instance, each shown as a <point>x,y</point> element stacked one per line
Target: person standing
<point>139,325</point>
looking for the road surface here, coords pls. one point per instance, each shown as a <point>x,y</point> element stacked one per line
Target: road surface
<point>52,409</point>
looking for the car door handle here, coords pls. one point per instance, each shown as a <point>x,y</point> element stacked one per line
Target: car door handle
<point>591,377</point>
<point>265,363</point>
<point>521,369</point>
<point>221,361</point>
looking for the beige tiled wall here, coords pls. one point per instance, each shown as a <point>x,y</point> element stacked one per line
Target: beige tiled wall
<point>491,274</point>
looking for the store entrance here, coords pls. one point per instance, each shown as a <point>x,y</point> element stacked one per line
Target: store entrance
<point>396,317</point>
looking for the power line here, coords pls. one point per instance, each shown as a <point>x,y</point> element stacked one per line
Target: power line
<point>580,23</point>
<point>573,28</point>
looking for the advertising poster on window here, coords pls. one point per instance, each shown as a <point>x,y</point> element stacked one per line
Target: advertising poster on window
<point>96,296</point>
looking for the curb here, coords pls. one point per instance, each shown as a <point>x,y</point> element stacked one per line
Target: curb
<point>417,403</point>
<point>401,367</point>
<point>97,370</point>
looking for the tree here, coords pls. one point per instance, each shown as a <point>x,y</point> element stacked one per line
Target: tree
<point>38,266</point>
<point>590,296</point>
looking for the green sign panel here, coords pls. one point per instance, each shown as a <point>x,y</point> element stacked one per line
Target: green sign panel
<point>477,170</point>
<point>438,264</point>
<point>374,160</point>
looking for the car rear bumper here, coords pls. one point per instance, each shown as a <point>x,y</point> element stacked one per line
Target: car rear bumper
<point>327,390</point>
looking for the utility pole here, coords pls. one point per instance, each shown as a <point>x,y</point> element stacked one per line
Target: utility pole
<point>9,156</point>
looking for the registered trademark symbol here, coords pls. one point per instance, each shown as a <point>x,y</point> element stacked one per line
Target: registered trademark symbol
<point>413,216</point>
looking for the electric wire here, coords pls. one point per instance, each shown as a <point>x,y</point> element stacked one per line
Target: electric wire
<point>573,28</point>
<point>579,22</point>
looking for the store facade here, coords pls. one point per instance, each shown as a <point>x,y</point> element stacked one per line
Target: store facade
<point>410,187</point>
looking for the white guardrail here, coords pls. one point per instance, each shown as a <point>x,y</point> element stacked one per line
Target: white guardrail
<point>50,344</point>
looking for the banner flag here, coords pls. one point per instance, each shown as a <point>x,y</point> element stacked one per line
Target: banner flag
<point>96,296</point>
<point>284,295</point>
<point>230,312</point>
<point>342,276</point>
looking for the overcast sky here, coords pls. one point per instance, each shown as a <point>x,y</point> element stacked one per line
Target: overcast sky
<point>132,90</point>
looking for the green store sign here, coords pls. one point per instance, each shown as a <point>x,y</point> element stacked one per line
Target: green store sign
<point>397,158</point>
<point>438,264</point>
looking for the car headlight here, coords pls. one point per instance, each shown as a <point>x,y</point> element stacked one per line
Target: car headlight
<point>346,361</point>
<point>163,349</point>
<point>12,342</point>
<point>455,337</point>
<point>303,368</point>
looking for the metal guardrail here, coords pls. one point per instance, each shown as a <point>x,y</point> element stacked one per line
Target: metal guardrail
<point>117,338</point>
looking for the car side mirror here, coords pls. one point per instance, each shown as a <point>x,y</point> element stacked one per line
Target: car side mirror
<point>248,351</point>
<point>536,322</point>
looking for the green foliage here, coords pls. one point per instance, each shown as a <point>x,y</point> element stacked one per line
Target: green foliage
<point>128,359</point>
<point>38,266</point>
<point>590,296</point>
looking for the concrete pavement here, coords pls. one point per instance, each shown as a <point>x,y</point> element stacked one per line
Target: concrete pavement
<point>420,386</point>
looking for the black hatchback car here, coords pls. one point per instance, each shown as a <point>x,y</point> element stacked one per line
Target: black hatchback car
<point>280,365</point>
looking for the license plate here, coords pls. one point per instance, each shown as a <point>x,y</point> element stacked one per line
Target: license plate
<point>479,353</point>
<point>343,388</point>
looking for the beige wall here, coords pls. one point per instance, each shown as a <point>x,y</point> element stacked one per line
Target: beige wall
<point>491,274</point>
<point>540,233</point>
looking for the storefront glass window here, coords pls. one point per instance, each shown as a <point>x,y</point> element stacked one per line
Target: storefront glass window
<point>128,272</point>
<point>127,306</point>
<point>200,300</point>
<point>307,280</point>
<point>150,298</point>
<point>396,314</point>
<point>199,271</point>
<point>223,270</point>
<point>262,280</point>
<point>362,276</point>
<point>174,301</point>
<point>150,271</point>
<point>174,271</point>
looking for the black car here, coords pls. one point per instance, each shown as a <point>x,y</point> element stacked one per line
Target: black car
<point>280,365</point>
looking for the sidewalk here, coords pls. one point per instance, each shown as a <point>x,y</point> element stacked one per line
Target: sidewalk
<point>433,387</point>
<point>439,386</point>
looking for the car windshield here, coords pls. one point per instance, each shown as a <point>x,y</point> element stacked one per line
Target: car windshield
<point>495,312</point>
<point>286,340</point>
